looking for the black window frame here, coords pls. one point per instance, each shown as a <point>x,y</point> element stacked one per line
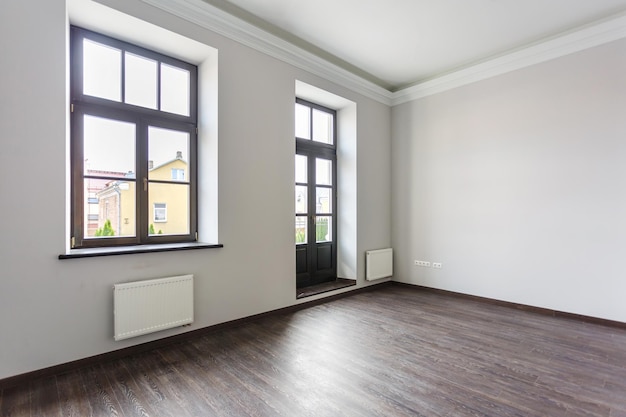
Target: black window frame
<point>143,118</point>
<point>313,149</point>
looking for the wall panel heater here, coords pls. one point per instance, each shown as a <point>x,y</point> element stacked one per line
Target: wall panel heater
<point>378,264</point>
<point>149,306</point>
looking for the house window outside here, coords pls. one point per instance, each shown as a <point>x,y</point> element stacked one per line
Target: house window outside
<point>178,174</point>
<point>160,212</point>
<point>133,143</point>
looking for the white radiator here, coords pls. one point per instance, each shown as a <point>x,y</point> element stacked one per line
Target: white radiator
<point>149,306</point>
<point>378,264</point>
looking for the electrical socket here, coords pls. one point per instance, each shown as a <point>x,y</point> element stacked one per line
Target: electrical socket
<point>437,265</point>
<point>421,263</point>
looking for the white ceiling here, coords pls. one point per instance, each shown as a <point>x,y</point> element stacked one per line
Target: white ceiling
<point>398,43</point>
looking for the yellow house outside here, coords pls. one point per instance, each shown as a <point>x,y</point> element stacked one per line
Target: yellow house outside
<point>168,201</point>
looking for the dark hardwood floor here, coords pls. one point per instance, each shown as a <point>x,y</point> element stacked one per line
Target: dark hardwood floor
<point>395,351</point>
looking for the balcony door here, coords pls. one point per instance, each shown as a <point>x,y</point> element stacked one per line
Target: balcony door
<point>315,194</point>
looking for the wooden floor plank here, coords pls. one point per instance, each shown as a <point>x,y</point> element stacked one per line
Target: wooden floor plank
<point>132,399</point>
<point>155,394</point>
<point>180,397</point>
<point>45,398</point>
<point>99,393</point>
<point>15,402</point>
<point>72,396</point>
<point>395,351</point>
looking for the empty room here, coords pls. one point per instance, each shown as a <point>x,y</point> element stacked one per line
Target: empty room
<point>313,208</point>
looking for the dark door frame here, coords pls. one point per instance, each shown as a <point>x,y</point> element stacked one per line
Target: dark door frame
<point>317,262</point>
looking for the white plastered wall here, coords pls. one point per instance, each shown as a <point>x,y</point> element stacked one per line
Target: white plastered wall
<point>516,185</point>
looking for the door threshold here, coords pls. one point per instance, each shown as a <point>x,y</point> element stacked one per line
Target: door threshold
<point>324,287</point>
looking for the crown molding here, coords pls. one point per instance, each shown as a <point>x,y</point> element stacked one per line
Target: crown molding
<point>588,36</point>
<point>210,17</point>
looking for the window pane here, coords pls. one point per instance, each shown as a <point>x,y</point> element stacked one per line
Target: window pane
<point>175,90</point>
<point>301,199</point>
<point>322,127</point>
<point>301,168</point>
<point>115,210</point>
<point>169,209</point>
<point>301,229</point>
<point>108,147</point>
<point>323,171</point>
<point>323,202</point>
<point>102,71</point>
<point>303,122</point>
<point>140,82</point>
<point>323,229</point>
<point>168,154</point>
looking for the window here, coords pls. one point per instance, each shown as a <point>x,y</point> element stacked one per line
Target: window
<point>178,174</point>
<point>160,212</point>
<point>133,144</point>
<point>315,193</point>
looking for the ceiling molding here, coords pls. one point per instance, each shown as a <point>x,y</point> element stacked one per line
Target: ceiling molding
<point>225,24</point>
<point>210,17</point>
<point>596,34</point>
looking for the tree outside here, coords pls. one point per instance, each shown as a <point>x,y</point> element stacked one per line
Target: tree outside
<point>321,229</point>
<point>106,230</point>
<point>152,232</point>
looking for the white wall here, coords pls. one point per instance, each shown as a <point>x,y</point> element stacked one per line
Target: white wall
<point>517,185</point>
<point>54,311</point>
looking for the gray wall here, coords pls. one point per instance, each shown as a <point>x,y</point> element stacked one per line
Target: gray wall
<point>54,311</point>
<point>517,185</point>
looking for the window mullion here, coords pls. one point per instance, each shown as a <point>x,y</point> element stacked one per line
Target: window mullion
<point>123,80</point>
<point>193,181</point>
<point>78,180</point>
<point>158,85</point>
<point>311,123</point>
<point>142,185</point>
<point>311,197</point>
<point>76,66</point>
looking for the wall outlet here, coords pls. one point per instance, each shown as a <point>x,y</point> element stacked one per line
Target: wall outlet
<point>421,263</point>
<point>437,265</point>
